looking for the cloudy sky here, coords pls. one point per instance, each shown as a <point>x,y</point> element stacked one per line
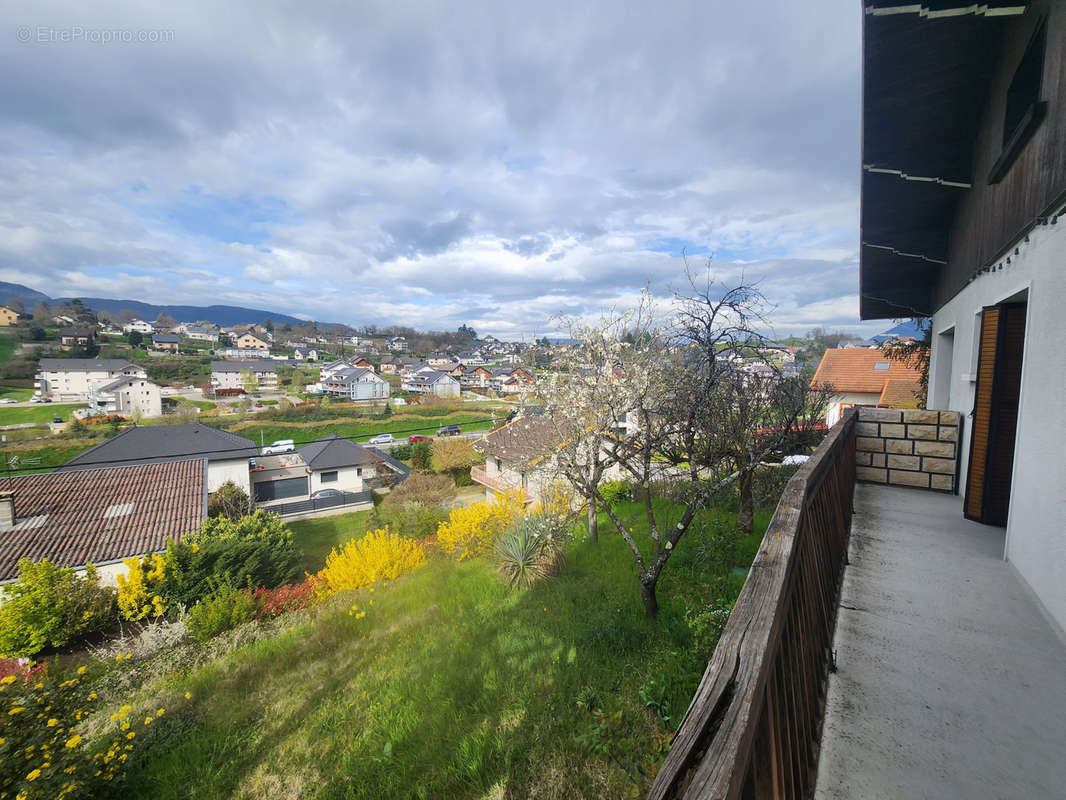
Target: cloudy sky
<point>432,163</point>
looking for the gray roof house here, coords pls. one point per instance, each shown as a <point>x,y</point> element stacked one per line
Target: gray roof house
<point>227,453</point>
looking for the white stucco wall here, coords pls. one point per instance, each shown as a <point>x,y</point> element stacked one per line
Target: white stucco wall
<point>1036,525</point>
<point>236,470</point>
<point>348,479</point>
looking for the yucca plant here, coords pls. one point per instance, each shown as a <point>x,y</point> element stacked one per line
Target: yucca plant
<point>521,553</point>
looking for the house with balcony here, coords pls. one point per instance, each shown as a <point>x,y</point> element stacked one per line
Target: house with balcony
<point>138,325</point>
<point>76,337</point>
<point>74,379</point>
<point>903,637</point>
<point>352,383</point>
<point>252,341</point>
<point>251,376</point>
<point>126,396</point>
<point>431,382</point>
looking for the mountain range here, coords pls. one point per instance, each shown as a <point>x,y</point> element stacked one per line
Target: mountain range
<point>219,315</point>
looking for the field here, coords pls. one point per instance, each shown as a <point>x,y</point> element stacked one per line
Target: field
<point>452,685</point>
<point>42,457</point>
<point>37,414</point>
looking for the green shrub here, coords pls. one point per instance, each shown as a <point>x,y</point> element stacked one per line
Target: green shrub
<point>706,623</point>
<point>413,520</point>
<point>422,456</point>
<point>224,608</point>
<point>614,492</point>
<point>424,488</point>
<point>401,452</point>
<point>229,500</point>
<point>256,550</point>
<point>48,606</point>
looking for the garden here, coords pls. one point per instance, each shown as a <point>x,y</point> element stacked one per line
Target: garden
<point>485,650</point>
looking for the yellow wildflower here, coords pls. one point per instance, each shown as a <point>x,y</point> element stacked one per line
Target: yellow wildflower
<point>92,696</point>
<point>16,710</point>
<point>81,670</point>
<point>188,696</point>
<point>159,713</point>
<point>53,722</point>
<point>7,679</point>
<point>147,720</point>
<point>131,734</point>
<point>73,741</point>
<point>34,775</point>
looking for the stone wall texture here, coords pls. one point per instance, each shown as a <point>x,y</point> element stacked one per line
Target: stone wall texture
<point>908,447</point>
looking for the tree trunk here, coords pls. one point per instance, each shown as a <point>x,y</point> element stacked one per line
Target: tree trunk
<point>647,593</point>
<point>746,514</point>
<point>594,521</point>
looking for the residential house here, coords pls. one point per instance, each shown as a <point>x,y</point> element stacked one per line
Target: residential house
<point>226,453</point>
<point>441,360</point>
<point>398,344</point>
<point>166,342</point>
<point>511,380</point>
<point>8,317</point>
<point>198,333</point>
<point>73,379</point>
<point>475,376</point>
<point>472,358</point>
<point>248,375</point>
<point>100,515</point>
<point>76,337</point>
<point>252,341</point>
<point>865,377</point>
<point>432,382</point>
<point>337,463</point>
<point>979,245</point>
<point>361,363</point>
<point>354,383</point>
<point>390,365</point>
<point>242,353</point>
<point>138,325</point>
<point>305,354</point>
<point>126,396</point>
<point>331,368</point>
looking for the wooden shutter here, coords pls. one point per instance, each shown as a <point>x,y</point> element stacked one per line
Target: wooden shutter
<point>995,414</point>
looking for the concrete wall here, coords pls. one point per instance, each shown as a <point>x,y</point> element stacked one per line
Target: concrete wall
<point>907,447</point>
<point>1036,525</point>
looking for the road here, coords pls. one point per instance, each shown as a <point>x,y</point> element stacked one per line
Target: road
<point>464,435</point>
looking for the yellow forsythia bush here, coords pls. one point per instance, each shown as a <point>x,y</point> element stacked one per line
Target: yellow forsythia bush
<point>472,530</point>
<point>139,591</point>
<point>379,555</point>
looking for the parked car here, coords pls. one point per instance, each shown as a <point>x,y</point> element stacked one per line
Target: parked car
<point>280,446</point>
<point>449,430</point>
<point>57,420</point>
<point>46,399</point>
<point>326,494</point>
<point>381,438</point>
<point>418,437</point>
<point>6,400</point>
<point>35,399</point>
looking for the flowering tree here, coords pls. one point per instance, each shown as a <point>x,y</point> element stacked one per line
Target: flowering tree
<point>692,418</point>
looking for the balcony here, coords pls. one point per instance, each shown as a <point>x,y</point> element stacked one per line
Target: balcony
<point>479,475</point>
<point>946,678</point>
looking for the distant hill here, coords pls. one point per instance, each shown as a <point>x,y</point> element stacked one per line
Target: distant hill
<point>219,315</point>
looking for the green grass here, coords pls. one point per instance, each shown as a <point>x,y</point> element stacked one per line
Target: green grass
<point>37,414</point>
<point>16,393</point>
<point>45,457</point>
<point>316,537</point>
<point>7,347</point>
<point>452,686</point>
<point>402,425</point>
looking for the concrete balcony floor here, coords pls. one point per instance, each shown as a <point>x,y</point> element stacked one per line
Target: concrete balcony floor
<point>951,682</point>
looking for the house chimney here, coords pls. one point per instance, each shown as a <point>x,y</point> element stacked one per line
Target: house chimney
<point>7,510</point>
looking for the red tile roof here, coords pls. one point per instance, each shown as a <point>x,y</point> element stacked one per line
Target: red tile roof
<point>853,370</point>
<point>900,394</point>
<point>101,515</point>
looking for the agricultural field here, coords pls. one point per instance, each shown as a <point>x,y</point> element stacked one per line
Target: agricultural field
<point>445,683</point>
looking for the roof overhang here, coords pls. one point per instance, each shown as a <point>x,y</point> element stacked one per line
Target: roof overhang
<point>926,69</point>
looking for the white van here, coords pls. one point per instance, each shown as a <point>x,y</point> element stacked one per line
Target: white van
<point>280,446</point>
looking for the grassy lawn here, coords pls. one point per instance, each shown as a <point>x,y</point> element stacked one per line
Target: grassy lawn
<point>452,686</point>
<point>401,425</point>
<point>7,346</point>
<point>16,393</point>
<point>316,537</point>
<point>37,414</point>
<point>46,456</point>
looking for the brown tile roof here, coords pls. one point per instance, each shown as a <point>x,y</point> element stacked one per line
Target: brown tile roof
<point>101,515</point>
<point>523,440</point>
<point>854,370</point>
<point>900,394</point>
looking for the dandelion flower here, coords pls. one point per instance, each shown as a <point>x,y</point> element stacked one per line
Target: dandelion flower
<point>73,741</point>
<point>34,775</point>
<point>131,734</point>
<point>53,722</point>
<point>159,713</point>
<point>16,710</point>
<point>188,696</point>
<point>147,720</point>
<point>81,670</point>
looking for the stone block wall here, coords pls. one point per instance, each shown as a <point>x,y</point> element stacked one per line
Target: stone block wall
<point>908,447</point>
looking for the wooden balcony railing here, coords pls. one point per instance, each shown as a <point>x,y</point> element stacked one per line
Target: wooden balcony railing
<point>754,725</point>
<point>479,475</point>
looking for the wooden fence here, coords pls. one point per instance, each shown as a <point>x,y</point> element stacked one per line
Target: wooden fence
<point>754,725</point>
